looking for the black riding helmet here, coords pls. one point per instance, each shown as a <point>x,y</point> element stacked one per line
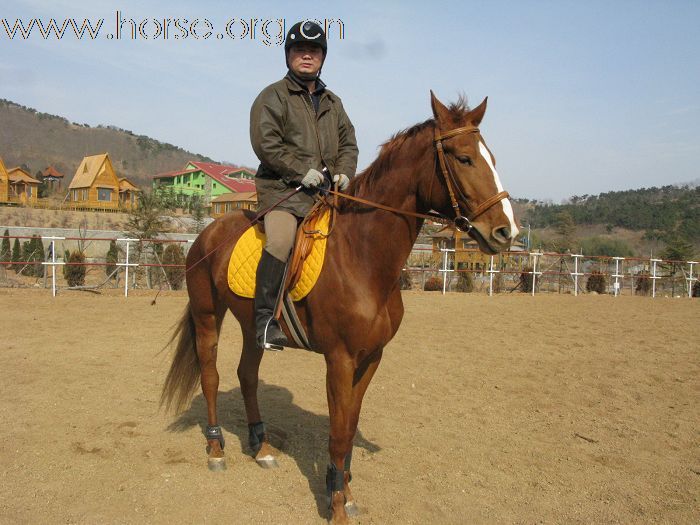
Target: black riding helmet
<point>306,32</point>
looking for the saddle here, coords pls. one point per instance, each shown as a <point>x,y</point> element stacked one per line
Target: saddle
<point>305,262</point>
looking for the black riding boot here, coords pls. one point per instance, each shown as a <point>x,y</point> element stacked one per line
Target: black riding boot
<point>268,281</point>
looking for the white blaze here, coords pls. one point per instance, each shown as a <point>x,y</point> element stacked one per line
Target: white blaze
<point>507,208</point>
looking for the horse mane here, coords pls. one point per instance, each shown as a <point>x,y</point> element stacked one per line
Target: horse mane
<point>365,181</point>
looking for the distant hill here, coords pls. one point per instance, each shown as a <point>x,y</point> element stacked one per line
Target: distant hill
<point>29,137</point>
<point>659,212</point>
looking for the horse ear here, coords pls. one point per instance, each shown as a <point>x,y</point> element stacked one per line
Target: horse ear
<point>476,115</point>
<point>440,112</point>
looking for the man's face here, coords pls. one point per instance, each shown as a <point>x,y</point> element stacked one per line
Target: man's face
<point>305,59</point>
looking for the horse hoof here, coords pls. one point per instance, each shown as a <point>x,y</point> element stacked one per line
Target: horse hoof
<point>267,461</point>
<point>351,509</point>
<point>216,464</point>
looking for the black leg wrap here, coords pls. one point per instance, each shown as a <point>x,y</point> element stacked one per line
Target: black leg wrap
<point>256,435</point>
<point>348,460</point>
<point>215,433</point>
<point>335,480</point>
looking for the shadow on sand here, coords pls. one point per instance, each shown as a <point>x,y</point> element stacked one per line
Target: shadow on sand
<point>298,433</point>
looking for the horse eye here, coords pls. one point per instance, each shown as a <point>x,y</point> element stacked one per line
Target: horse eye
<point>464,159</point>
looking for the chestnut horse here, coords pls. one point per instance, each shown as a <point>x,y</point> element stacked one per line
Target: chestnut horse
<point>355,308</point>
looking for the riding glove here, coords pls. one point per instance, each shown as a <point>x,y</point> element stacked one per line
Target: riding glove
<point>312,179</point>
<point>342,180</point>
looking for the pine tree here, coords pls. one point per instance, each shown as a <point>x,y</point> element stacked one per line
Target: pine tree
<point>38,250</point>
<point>16,256</point>
<point>111,258</point>
<point>5,250</point>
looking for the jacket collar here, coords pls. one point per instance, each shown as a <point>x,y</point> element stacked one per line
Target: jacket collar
<point>296,84</point>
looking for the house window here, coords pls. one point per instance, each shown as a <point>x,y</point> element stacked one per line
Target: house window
<point>29,191</point>
<point>104,194</point>
<point>84,195</point>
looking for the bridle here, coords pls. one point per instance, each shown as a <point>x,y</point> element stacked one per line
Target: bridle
<point>461,222</point>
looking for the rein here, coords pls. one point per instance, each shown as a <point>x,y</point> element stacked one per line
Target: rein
<point>462,222</point>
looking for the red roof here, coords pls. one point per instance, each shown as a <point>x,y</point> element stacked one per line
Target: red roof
<point>52,172</point>
<point>170,174</point>
<point>220,172</point>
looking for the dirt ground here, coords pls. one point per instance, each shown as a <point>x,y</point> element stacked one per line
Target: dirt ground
<point>510,409</point>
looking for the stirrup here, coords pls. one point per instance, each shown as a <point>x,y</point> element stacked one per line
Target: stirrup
<point>270,346</point>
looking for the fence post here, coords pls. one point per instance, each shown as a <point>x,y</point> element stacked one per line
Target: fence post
<point>653,276</point>
<point>616,275</point>
<point>53,262</point>
<point>491,272</point>
<point>535,273</point>
<point>444,269</point>
<point>127,264</point>
<point>690,279</point>
<point>576,273</point>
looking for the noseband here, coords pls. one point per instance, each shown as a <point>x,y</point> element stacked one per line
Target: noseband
<point>462,222</point>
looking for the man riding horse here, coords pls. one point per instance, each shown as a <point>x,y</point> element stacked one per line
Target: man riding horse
<point>300,133</point>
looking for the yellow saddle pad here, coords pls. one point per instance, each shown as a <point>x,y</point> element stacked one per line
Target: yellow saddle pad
<point>247,252</point>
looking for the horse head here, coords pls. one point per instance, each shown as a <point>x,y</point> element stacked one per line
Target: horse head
<point>470,190</point>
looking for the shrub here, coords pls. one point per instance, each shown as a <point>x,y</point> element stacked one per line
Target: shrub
<point>465,282</point>
<point>498,283</point>
<point>597,282</point>
<point>174,254</point>
<point>525,281</point>
<point>111,258</point>
<point>74,275</point>
<point>642,283</point>
<point>405,280</point>
<point>434,284</point>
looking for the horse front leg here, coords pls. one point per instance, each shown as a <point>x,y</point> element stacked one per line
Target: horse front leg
<point>340,370</point>
<point>248,372</point>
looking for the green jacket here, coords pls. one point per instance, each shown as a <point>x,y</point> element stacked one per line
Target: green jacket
<point>289,139</point>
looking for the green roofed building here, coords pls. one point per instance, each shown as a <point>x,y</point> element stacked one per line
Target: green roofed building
<point>205,179</point>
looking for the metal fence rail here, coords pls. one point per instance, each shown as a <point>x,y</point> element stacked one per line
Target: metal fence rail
<point>139,265</point>
<point>544,272</point>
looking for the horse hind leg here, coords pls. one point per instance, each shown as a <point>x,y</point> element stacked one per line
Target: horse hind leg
<point>207,327</point>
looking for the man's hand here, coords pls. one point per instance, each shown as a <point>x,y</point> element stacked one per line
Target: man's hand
<point>342,180</point>
<point>312,179</point>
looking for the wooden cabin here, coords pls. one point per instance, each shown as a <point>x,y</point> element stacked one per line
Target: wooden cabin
<point>95,184</point>
<point>23,188</point>
<point>4,183</point>
<point>128,193</point>
<point>467,255</point>
<point>245,200</point>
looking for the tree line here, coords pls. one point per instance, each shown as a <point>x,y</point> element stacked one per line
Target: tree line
<point>660,212</point>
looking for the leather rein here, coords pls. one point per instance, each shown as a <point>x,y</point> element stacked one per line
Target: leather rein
<point>461,222</point>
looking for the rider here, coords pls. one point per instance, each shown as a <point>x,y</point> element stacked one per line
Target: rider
<point>299,131</point>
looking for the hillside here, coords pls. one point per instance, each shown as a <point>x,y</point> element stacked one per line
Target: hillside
<point>38,139</point>
<point>659,212</point>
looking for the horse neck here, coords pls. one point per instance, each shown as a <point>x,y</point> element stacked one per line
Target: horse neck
<point>380,241</point>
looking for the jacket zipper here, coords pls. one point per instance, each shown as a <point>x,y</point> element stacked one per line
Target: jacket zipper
<point>309,108</point>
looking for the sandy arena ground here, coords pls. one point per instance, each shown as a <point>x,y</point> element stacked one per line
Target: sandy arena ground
<point>511,409</point>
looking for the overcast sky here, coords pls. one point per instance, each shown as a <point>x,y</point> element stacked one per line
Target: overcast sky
<point>584,97</point>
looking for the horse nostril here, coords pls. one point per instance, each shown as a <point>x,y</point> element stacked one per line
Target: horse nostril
<point>502,233</point>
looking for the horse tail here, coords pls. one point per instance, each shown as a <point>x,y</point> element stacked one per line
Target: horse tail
<point>184,373</point>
